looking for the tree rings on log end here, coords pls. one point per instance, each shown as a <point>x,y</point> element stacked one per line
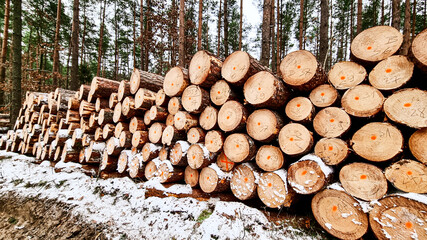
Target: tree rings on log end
<point>391,73</point>
<point>155,132</point>
<point>236,67</point>
<point>269,158</point>
<point>150,170</point>
<point>208,118</point>
<point>324,95</point>
<point>243,183</point>
<point>123,161</point>
<point>232,116</point>
<point>307,176</point>
<point>176,80</point>
<point>332,151</point>
<point>239,147</point>
<point>264,125</point>
<point>150,151</point>
<point>265,90</point>
<point>417,145</point>
<point>339,214</point>
<point>362,101</point>
<point>212,181</point>
<point>204,69</point>
<point>174,105</point>
<point>331,122</point>
<point>196,135</point>
<point>195,99</point>
<point>214,140</point>
<point>364,181</point>
<point>199,157</point>
<point>419,50</point>
<point>223,163</point>
<point>408,176</point>
<point>300,109</point>
<point>220,92</point>
<point>273,189</point>
<point>191,177</point>
<point>295,139</point>
<point>345,75</point>
<point>136,170</point>
<point>178,153</point>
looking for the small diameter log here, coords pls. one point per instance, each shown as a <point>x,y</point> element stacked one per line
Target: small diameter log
<point>76,138</point>
<point>239,147</point>
<point>155,132</point>
<point>407,107</point>
<point>137,124</point>
<point>108,163</point>
<point>117,114</point>
<point>123,159</point>
<point>195,99</point>
<point>128,108</point>
<point>345,75</point>
<point>295,139</point>
<point>417,143</point>
<point>70,155</point>
<point>176,80</point>
<point>221,92</point>
<point>98,134</point>
<point>332,151</point>
<point>324,95</point>
<point>103,88</point>
<point>264,125</point>
<point>150,170</point>
<point>171,135</point>
<point>86,109</point>
<point>301,71</point>
<point>196,135</point>
<point>273,189</point>
<point>191,177</point>
<point>309,175</point>
<point>162,100</point>
<point>178,153</point>
<point>214,140</point>
<point>398,217</point>
<point>377,142</point>
<point>73,104</point>
<point>105,116</point>
<point>124,90</point>
<point>136,169</point>
<point>141,79</point>
<point>108,131</point>
<point>164,153</point>
<point>208,118</point>
<point>269,158</point>
<point>264,90</point>
<point>375,44</point>
<point>93,153</point>
<point>408,176</point>
<point>72,116</point>
<point>168,174</point>
<point>83,92</point>
<point>86,139</point>
<point>112,101</point>
<point>125,139</point>
<point>150,151</point>
<point>93,120</point>
<point>61,137</point>
<point>144,99</point>
<point>158,114</point>
<point>339,214</point>
<point>139,138</point>
<point>184,120</point>
<point>391,73</point>
<point>232,116</point>
<point>362,101</point>
<point>223,163</point>
<point>212,179</point>
<point>244,181</point>
<point>120,127</point>
<point>101,103</point>
<point>239,66</point>
<point>174,105</point>
<point>204,69</point>
<point>364,181</point>
<point>113,147</point>
<point>300,109</point>
<point>59,91</point>
<point>199,157</point>
<point>331,122</point>
<point>147,120</point>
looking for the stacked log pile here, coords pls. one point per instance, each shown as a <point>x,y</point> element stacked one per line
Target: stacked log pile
<point>235,126</point>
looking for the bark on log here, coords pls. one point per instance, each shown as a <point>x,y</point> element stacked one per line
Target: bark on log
<point>150,151</point>
<point>167,173</point>
<point>109,162</point>
<point>141,79</point>
<point>103,88</point>
<point>123,91</point>
<point>144,99</point>
<point>125,139</point>
<point>105,116</point>
<point>171,135</point>
<point>178,154</point>
<point>101,103</point>
<point>184,120</point>
<point>113,147</point>
<point>212,180</point>
<point>221,92</point>
<point>73,104</point>
<point>137,124</point>
<point>139,138</point>
<point>120,127</point>
<point>199,157</point>
<point>113,100</point>
<point>162,100</point>
<point>204,69</point>
<point>408,176</point>
<point>86,109</point>
<point>158,114</point>
<point>108,131</point>
<point>84,92</point>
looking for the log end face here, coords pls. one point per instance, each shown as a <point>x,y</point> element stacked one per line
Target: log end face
<point>235,66</point>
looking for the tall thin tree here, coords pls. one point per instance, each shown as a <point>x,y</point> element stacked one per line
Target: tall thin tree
<point>241,25</point>
<point>407,29</point>
<point>226,28</point>
<point>134,33</point>
<point>266,39</point>
<point>414,17</point>
<point>141,37</point>
<point>395,17</point>
<point>55,71</point>
<point>301,23</point>
<point>382,12</point>
<point>4,51</point>
<point>74,84</point>
<point>199,33</point>
<point>16,59</point>
<point>278,37</point>
<point>273,38</point>
<point>101,37</point>
<point>219,30</point>
<point>359,16</point>
<point>181,52</point>
<point>324,25</point>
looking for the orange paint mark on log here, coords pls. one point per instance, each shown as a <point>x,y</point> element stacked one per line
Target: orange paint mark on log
<point>332,120</point>
<point>174,104</point>
<point>291,139</point>
<point>268,157</point>
<point>228,117</point>
<point>408,225</point>
<point>207,117</point>
<point>334,208</point>
<point>259,89</point>
<point>160,97</point>
<point>356,98</point>
<point>194,157</point>
<point>407,104</point>
<point>149,170</point>
<point>219,92</point>
<point>269,184</point>
<point>342,77</point>
<point>171,84</point>
<point>178,119</point>
<point>298,105</point>
<point>298,66</point>
<point>409,173</point>
<point>304,173</point>
<point>194,135</point>
<point>322,94</point>
<point>191,175</point>
<point>234,68</point>
<point>237,145</point>
<point>373,137</point>
<point>155,132</point>
<point>331,148</point>
<point>207,178</point>
<point>388,70</point>
<point>189,98</point>
<point>199,67</point>
<point>363,177</point>
<point>259,124</point>
<point>176,151</point>
<point>211,141</point>
<point>369,48</point>
<point>246,179</point>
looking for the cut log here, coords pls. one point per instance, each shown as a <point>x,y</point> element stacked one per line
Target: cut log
<point>204,69</point>
<point>362,101</point>
<point>137,124</point>
<point>391,73</point>
<point>150,151</point>
<point>60,91</point>
<point>123,91</point>
<point>301,71</point>
<point>69,155</point>
<point>264,125</point>
<point>212,180</point>
<point>144,99</point>
<point>158,113</point>
<point>105,116</point>
<point>72,116</point>
<point>162,100</point>
<point>407,107</point>
<point>408,176</point>
<point>331,122</point>
<point>117,114</point>
<point>174,105</point>
<point>93,153</point>
<point>113,147</point>
<point>244,181</point>
<point>264,90</point>
<point>139,138</point>
<point>239,66</point>
<point>76,138</point>
<point>375,44</point>
<point>309,175</point>
<point>164,153</point>
<point>417,143</point>
<point>125,139</point>
<point>167,173</point>
<point>120,127</point>
<point>273,189</point>
<point>84,92</point>
<point>109,163</point>
<point>99,134</point>
<point>345,75</point>
<point>112,101</point>
<point>232,116</point>
<point>191,177</point>
<point>196,135</point>
<point>155,132</point>
<point>195,99</point>
<point>397,217</point>
<point>170,120</point>
<point>269,158</point>
<point>147,120</point>
<point>418,51</point>
<point>184,120</point>
<point>199,157</point>
<point>208,118</point>
<point>377,142</point>
<point>128,108</point>
<point>86,139</point>
<point>136,169</point>
<point>221,92</point>
<point>93,120</point>
<point>73,104</point>
<point>108,131</point>
<point>364,181</point>
<point>339,214</point>
<point>300,109</point>
<point>332,151</point>
<point>171,135</point>
<point>103,88</point>
<point>150,170</point>
<point>178,154</point>
<point>295,139</point>
<point>101,103</point>
<point>123,159</point>
<point>239,147</point>
<point>176,80</point>
<point>214,140</point>
<point>223,163</point>
<point>141,79</point>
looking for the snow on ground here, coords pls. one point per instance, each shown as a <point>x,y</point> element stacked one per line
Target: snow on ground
<point>120,205</point>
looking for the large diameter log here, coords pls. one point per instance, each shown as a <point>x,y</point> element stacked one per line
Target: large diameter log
<point>223,163</point>
<point>212,179</point>
<point>214,140</point>
<point>295,139</point>
<point>113,146</point>
<point>199,157</point>
<point>195,99</point>
<point>171,135</point>
<point>391,73</point>
<point>150,170</point>
<point>204,69</point>
<point>139,138</point>
<point>174,105</point>
<point>239,147</point>
<point>232,116</point>
<point>408,176</point>
<point>332,151</point>
<point>108,131</point>
<point>162,100</point>
<point>123,159</point>
<point>102,87</point>
<point>364,181</point>
<point>362,101</point>
<point>418,51</point>
<point>265,90</point>
<point>331,122</point>
<point>375,44</point>
<point>144,99</point>
<point>176,80</point>
<point>339,214</point>
<point>178,153</point>
<point>408,107</point>
<point>108,163</point>
<point>377,142</point>
<point>244,181</point>
<point>269,158</point>
<point>123,91</point>
<point>300,109</point>
<point>141,79</point>
<point>150,151</point>
<point>137,124</point>
<point>239,66</point>
<point>184,120</point>
<point>301,71</point>
<point>398,217</point>
<point>167,173</point>
<point>105,116</point>
<point>221,92</point>
<point>417,143</point>
<point>155,132</point>
<point>273,189</point>
<point>196,135</point>
<point>309,174</point>
<point>117,114</point>
<point>345,75</point>
<point>191,177</point>
<point>264,125</point>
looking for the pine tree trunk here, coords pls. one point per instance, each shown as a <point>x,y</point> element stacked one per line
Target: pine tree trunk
<point>181,34</point>
<point>278,36</point>
<point>3,52</point>
<point>273,38</point>
<point>226,53</point>
<point>301,24</point>
<point>407,29</point>
<point>82,58</point>
<point>219,30</point>
<point>359,16</point>
<point>199,34</point>
<point>241,25</point>
<point>173,33</point>
<point>395,18</point>
<point>324,17</point>
<point>101,37</point>
<point>148,37</point>
<point>16,59</point>
<point>141,24</point>
<point>55,48</point>
<point>265,42</point>
<point>382,12</point>
<point>414,17</point>
<point>74,84</point>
